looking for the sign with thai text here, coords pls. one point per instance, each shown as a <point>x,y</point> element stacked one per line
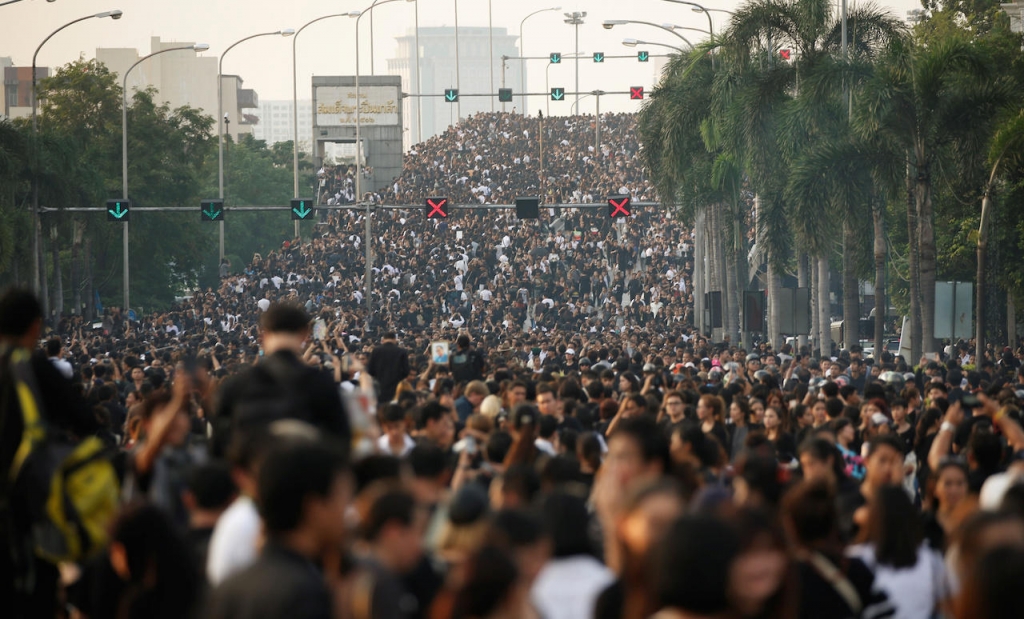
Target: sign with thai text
<point>336,106</point>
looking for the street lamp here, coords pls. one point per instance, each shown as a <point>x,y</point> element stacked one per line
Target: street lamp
<point>547,83</point>
<point>198,47</point>
<point>635,42</point>
<point>115,14</point>
<point>522,54</point>
<point>220,116</point>
<point>611,23</point>
<point>13,1</point>
<point>295,105</point>
<point>359,163</point>
<point>575,19</point>
<point>697,8</point>
<point>458,73</point>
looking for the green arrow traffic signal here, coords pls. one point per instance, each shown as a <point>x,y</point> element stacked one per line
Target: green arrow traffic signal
<point>555,57</point>
<point>598,56</point>
<point>211,210</point>
<point>643,56</point>
<point>557,94</point>
<point>505,95</point>
<point>451,95</point>
<point>301,209</point>
<point>118,210</point>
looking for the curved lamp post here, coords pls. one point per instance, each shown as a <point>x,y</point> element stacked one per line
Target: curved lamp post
<point>522,54</point>
<point>220,116</point>
<point>295,103</point>
<point>114,14</point>
<point>198,47</point>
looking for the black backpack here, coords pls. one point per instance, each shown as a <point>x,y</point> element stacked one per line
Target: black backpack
<point>273,390</point>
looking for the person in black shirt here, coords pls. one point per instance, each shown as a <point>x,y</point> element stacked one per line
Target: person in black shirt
<point>389,365</point>
<point>280,386</point>
<point>466,362</point>
<point>210,491</point>
<point>304,492</point>
<point>393,529</point>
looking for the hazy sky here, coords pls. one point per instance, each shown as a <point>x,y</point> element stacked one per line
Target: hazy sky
<point>327,48</point>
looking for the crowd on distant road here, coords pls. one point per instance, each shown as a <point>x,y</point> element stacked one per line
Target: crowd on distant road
<point>495,158</point>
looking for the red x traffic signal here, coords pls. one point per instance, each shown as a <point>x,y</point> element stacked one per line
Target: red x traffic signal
<point>619,206</point>
<point>437,208</point>
<point>636,92</point>
<point>784,53</point>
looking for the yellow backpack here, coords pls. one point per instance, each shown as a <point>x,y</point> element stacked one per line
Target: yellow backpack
<point>71,486</point>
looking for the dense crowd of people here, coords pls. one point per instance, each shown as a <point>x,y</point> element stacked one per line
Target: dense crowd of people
<point>523,424</point>
<point>684,479</point>
<point>493,158</point>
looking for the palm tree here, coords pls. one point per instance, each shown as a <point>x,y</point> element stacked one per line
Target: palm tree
<point>1006,144</point>
<point>926,99</point>
<point>776,121</point>
<point>683,150</point>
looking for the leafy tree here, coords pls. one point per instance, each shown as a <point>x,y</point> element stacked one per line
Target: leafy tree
<point>930,100</point>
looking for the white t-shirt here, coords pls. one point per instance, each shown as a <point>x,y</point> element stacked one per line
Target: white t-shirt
<point>568,588</point>
<point>385,446</point>
<point>234,540</point>
<point>915,590</point>
<point>263,304</point>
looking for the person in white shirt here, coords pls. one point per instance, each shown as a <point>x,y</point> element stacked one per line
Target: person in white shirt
<point>395,441</point>
<point>235,540</point>
<point>568,585</point>
<point>906,568</point>
<point>53,349</point>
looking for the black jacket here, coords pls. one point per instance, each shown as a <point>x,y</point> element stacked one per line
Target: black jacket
<point>281,583</point>
<point>389,364</point>
<point>280,386</point>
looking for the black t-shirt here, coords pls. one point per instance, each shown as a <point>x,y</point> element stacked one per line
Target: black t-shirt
<point>819,599</point>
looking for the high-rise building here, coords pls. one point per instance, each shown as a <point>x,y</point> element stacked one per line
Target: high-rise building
<point>16,96</point>
<point>183,78</point>
<point>275,123</point>
<point>437,72</point>
<point>1015,11</point>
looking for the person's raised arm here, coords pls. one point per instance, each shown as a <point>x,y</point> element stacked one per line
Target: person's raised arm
<point>160,425</point>
<point>944,439</point>
<point>1000,417</point>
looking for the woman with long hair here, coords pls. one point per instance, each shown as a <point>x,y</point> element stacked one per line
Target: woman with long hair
<point>948,503</point>
<point>776,430</point>
<point>711,414</point>
<point>892,542</point>
<point>831,586</point>
<point>149,570</point>
<point>739,415</point>
<point>524,428</point>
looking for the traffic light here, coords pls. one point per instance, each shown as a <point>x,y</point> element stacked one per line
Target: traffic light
<point>505,95</point>
<point>558,94</point>
<point>555,57</point>
<point>437,208</point>
<point>643,56</point>
<point>619,206</point>
<point>451,95</point>
<point>636,92</point>
<point>598,56</point>
<point>302,209</point>
<point>211,210</point>
<point>527,208</point>
<point>784,53</point>
<point>118,210</point>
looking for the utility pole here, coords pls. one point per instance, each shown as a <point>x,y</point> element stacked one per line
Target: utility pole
<point>575,19</point>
